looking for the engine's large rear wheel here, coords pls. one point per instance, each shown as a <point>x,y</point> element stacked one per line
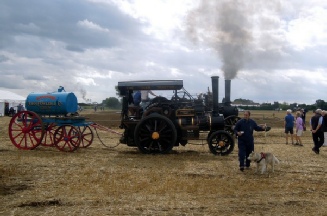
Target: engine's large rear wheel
<point>221,143</point>
<point>155,134</point>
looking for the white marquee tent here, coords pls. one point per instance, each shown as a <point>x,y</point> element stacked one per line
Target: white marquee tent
<point>11,99</point>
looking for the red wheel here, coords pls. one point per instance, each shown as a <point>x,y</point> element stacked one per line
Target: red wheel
<point>48,138</point>
<point>67,138</point>
<point>86,136</point>
<point>26,130</point>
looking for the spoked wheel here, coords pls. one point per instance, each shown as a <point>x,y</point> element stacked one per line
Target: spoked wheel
<point>155,134</point>
<point>230,122</point>
<point>221,143</point>
<point>26,130</point>
<point>86,136</point>
<point>48,138</point>
<point>67,138</point>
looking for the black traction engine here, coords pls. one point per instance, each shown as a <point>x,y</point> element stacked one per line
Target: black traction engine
<point>165,123</point>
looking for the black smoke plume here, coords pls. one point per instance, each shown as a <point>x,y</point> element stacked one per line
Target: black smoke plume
<point>227,26</point>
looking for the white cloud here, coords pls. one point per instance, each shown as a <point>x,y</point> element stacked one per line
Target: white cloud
<point>86,81</point>
<point>30,27</point>
<point>175,72</point>
<point>162,17</point>
<point>93,26</point>
<point>309,29</point>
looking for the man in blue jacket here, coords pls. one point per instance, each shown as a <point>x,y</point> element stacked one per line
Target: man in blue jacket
<point>289,125</point>
<point>244,132</point>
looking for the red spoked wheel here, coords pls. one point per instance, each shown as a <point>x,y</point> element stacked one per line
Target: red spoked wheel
<point>67,138</point>
<point>86,136</point>
<point>26,130</point>
<point>48,138</point>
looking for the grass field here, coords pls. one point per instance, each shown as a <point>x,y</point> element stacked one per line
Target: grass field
<point>119,180</point>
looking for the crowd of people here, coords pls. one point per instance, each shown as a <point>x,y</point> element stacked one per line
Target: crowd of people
<point>299,122</point>
<point>12,111</point>
<point>318,128</point>
<point>244,131</point>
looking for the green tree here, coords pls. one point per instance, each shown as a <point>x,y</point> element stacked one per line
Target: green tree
<point>266,106</point>
<point>112,102</point>
<point>243,101</point>
<point>117,91</point>
<point>320,104</point>
<point>284,106</point>
<point>276,105</point>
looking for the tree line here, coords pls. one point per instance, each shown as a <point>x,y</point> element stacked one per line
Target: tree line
<point>248,104</point>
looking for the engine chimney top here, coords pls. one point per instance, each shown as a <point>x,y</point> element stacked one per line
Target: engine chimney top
<point>215,100</point>
<point>227,92</point>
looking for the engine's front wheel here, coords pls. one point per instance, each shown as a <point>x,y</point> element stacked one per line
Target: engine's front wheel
<point>230,123</point>
<point>221,143</point>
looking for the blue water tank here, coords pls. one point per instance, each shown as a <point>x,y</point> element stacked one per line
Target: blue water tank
<point>57,103</point>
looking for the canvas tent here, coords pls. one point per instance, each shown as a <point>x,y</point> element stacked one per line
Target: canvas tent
<point>10,99</point>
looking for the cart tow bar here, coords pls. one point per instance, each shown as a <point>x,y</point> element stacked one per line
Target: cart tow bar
<point>103,128</point>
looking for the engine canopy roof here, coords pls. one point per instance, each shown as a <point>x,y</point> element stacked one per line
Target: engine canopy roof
<point>150,85</point>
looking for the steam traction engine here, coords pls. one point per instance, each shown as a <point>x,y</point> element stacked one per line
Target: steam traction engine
<point>166,123</point>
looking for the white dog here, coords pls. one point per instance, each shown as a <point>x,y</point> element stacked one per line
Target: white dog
<point>263,159</point>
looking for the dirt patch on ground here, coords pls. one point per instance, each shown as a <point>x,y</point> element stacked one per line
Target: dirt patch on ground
<point>189,181</point>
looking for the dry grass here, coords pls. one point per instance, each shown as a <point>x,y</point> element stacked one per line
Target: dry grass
<point>189,181</point>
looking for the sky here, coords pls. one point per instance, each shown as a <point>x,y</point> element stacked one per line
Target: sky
<point>271,50</point>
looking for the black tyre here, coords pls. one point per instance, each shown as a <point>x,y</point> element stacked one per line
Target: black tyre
<point>155,134</point>
<point>221,143</point>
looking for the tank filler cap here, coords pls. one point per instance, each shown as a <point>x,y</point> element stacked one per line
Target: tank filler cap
<point>61,89</point>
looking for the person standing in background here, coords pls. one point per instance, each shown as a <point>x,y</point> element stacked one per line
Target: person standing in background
<point>324,126</point>
<point>303,112</point>
<point>20,108</point>
<point>316,130</point>
<point>288,125</point>
<point>299,129</point>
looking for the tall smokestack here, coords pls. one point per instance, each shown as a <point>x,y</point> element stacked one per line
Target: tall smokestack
<point>227,92</point>
<point>215,84</point>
